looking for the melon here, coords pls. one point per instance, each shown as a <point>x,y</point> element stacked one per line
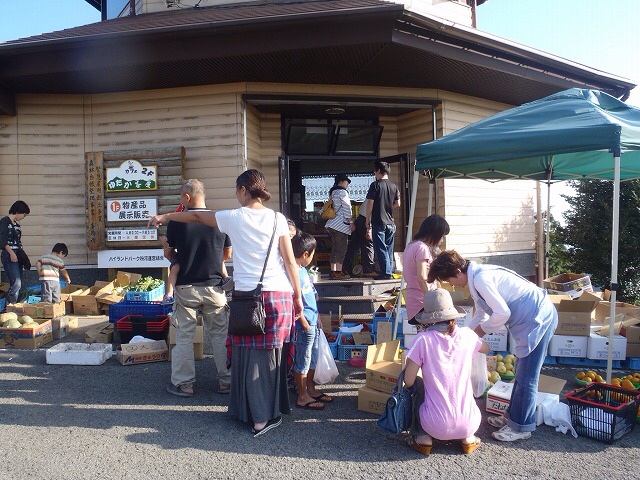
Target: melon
<point>8,316</point>
<point>24,319</point>
<point>13,323</point>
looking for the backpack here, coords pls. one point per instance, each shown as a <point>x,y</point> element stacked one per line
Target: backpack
<point>328,211</point>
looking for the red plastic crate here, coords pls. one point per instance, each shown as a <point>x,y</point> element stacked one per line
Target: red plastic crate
<point>153,327</point>
<point>603,412</point>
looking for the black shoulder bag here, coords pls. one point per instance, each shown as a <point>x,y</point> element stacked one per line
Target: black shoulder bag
<point>247,315</point>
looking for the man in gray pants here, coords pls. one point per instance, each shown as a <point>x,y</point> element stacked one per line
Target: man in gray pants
<point>200,252</point>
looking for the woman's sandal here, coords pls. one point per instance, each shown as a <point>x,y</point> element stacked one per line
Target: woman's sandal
<point>468,448</point>
<point>418,447</point>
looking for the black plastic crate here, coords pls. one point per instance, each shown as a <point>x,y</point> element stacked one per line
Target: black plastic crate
<point>152,327</point>
<point>603,412</point>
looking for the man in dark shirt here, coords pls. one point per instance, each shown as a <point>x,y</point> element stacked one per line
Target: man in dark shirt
<point>200,252</point>
<point>381,228</point>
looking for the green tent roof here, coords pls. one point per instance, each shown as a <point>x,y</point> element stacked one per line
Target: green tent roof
<point>569,135</point>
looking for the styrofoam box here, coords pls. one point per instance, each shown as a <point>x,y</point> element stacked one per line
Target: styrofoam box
<point>79,353</point>
<point>568,346</point>
<point>598,347</point>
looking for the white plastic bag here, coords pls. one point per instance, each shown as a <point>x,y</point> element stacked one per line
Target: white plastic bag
<point>479,381</point>
<point>326,368</point>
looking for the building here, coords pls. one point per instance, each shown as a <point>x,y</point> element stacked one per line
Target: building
<point>298,89</point>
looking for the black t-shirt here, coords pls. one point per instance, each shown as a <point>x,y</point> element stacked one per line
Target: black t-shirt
<point>384,193</point>
<point>200,250</point>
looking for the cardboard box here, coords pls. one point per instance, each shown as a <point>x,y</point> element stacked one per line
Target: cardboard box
<point>330,322</point>
<point>372,401</point>
<point>632,334</point>
<point>101,333</point>
<point>383,366</point>
<point>142,352</point>
<point>598,347</point>
<point>198,341</point>
<point>26,338</point>
<point>44,310</point>
<point>61,326</point>
<point>574,316</point>
<point>497,340</point>
<point>572,284</point>
<point>384,332</point>
<point>123,279</point>
<point>86,302</point>
<point>69,291</point>
<point>568,346</point>
<point>603,311</point>
<point>499,396</point>
<point>633,350</point>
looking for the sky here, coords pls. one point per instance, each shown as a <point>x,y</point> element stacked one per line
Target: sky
<point>594,33</point>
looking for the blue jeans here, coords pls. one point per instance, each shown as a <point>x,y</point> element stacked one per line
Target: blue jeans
<point>521,412</point>
<point>13,270</point>
<point>306,344</point>
<point>383,237</point>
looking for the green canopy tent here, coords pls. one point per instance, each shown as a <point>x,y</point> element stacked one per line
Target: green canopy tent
<point>572,135</point>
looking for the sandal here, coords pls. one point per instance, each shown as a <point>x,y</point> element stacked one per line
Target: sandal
<point>468,448</point>
<point>418,447</point>
<point>324,398</point>
<point>224,388</point>
<point>507,434</point>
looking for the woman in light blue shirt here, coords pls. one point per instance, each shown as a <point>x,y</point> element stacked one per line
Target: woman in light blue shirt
<point>504,298</point>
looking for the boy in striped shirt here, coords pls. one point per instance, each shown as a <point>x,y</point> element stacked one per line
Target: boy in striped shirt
<point>49,268</point>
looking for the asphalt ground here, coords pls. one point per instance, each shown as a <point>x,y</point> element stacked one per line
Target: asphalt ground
<point>117,422</point>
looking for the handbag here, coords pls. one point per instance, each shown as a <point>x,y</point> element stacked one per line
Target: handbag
<point>398,413</point>
<point>328,210</point>
<point>326,368</point>
<point>23,259</point>
<point>247,315</point>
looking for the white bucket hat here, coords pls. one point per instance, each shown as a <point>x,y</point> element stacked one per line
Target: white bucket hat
<point>438,307</point>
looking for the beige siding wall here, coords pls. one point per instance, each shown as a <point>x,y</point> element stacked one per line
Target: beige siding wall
<point>485,218</point>
<point>42,155</point>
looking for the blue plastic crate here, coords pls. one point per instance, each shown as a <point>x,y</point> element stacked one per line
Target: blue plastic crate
<point>587,362</point>
<point>549,360</point>
<point>632,363</point>
<point>153,295</point>
<point>333,346</point>
<point>33,299</point>
<point>347,351</point>
<point>3,304</point>
<point>147,309</point>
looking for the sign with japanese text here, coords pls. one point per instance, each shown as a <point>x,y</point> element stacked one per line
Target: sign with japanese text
<point>140,258</point>
<point>131,234</point>
<point>131,209</point>
<point>131,175</point>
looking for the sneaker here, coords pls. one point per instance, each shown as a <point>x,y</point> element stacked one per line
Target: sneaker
<point>179,390</point>
<point>507,434</point>
<point>339,276</point>
<point>271,424</point>
<point>497,422</point>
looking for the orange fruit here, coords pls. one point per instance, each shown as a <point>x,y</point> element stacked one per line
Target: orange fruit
<point>627,385</point>
<point>587,378</point>
<point>591,374</point>
<point>615,381</point>
<point>599,379</point>
<point>580,375</point>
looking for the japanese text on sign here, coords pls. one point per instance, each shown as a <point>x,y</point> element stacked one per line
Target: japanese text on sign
<point>127,235</point>
<point>131,209</point>
<point>141,258</point>
<point>131,176</point>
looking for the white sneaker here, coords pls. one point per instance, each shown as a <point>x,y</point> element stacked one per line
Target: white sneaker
<point>507,434</point>
<point>497,422</point>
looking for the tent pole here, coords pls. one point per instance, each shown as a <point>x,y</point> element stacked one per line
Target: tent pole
<point>614,257</point>
<point>539,235</point>
<point>547,244</point>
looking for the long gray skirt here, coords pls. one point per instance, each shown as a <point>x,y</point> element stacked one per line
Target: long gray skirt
<point>258,384</point>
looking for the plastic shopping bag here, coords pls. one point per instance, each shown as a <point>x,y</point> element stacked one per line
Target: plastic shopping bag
<point>326,368</point>
<point>479,381</point>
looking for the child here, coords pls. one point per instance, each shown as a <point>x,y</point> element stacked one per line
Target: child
<point>174,268</point>
<point>49,268</point>
<point>306,338</point>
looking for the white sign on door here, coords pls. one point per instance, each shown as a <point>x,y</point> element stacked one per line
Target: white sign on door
<point>142,258</point>
<point>131,209</point>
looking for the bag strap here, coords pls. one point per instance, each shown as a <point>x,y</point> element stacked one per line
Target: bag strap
<point>275,223</point>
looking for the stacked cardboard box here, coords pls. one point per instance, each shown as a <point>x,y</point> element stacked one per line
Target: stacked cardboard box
<point>382,369</point>
<point>27,338</point>
<point>96,299</point>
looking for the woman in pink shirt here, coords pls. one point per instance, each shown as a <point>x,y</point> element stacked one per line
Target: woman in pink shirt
<point>417,257</point>
<point>443,404</point>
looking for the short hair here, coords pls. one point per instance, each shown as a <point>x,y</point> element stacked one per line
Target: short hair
<point>382,167</point>
<point>19,207</point>
<point>432,229</point>
<point>194,187</point>
<point>60,248</point>
<point>255,183</point>
<point>446,265</point>
<point>303,242</point>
